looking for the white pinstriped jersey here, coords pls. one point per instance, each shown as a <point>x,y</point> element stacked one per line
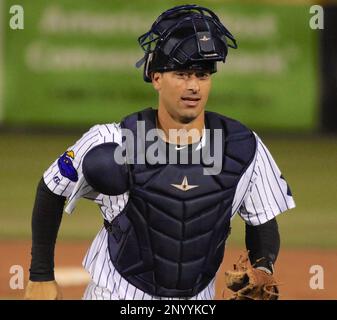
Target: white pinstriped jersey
<point>262,194</point>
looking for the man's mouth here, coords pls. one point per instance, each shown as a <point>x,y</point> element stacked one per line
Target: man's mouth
<point>190,98</point>
<point>190,101</point>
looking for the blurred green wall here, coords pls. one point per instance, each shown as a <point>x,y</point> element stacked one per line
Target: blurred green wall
<point>73,64</point>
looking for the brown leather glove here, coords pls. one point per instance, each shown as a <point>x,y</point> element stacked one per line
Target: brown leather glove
<point>44,290</point>
<point>248,283</point>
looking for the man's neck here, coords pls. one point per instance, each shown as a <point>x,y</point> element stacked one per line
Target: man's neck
<point>180,133</point>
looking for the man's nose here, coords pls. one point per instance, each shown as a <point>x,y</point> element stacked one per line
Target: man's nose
<point>193,84</point>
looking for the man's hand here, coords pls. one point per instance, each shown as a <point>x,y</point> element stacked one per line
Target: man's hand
<point>248,283</point>
<point>44,290</point>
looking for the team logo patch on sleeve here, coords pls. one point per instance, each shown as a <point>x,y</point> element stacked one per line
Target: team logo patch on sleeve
<point>66,167</point>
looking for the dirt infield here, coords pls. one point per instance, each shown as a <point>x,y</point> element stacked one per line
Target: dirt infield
<point>292,270</point>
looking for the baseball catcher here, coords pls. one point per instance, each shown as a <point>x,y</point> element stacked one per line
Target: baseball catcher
<point>168,181</point>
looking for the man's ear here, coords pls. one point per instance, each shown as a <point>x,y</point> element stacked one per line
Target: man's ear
<point>156,80</point>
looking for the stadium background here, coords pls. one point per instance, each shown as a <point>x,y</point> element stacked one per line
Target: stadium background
<point>72,66</point>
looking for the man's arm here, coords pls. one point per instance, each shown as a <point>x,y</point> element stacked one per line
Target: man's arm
<point>267,196</point>
<point>46,219</point>
<point>263,243</point>
<point>255,280</point>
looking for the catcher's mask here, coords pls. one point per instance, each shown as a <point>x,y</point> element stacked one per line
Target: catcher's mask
<point>183,38</point>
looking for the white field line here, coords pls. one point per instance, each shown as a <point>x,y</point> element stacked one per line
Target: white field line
<point>71,276</point>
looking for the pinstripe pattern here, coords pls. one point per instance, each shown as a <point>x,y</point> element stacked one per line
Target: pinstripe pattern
<point>268,192</point>
<point>261,195</point>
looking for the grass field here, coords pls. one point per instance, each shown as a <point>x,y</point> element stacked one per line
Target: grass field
<point>308,163</point>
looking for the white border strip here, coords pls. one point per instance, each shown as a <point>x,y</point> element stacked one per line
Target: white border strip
<point>2,65</point>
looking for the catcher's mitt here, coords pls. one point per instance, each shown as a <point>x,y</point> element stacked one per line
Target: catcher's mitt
<point>248,283</point>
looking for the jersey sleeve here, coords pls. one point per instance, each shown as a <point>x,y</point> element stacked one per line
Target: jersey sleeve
<point>269,193</point>
<point>65,173</point>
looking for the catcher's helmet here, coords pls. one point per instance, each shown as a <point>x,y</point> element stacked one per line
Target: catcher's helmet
<point>184,37</point>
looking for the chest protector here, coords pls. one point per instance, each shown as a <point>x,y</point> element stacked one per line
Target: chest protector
<point>170,238</point>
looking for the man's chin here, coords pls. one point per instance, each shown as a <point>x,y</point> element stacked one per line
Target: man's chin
<point>185,119</point>
<point>186,116</point>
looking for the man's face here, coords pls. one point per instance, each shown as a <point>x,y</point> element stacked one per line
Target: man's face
<point>183,93</point>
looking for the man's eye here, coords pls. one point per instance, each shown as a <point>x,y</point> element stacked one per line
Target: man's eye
<point>203,75</point>
<point>180,74</point>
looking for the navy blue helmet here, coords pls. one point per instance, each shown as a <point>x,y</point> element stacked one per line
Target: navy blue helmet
<point>185,37</point>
